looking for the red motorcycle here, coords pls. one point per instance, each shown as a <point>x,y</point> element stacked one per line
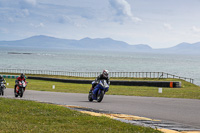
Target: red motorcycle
<point>20,88</point>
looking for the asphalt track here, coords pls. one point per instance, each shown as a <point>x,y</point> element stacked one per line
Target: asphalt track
<point>184,111</point>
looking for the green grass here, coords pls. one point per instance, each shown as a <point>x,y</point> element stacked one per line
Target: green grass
<point>27,116</point>
<point>188,90</point>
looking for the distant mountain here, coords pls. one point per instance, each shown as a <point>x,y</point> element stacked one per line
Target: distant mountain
<point>42,41</point>
<point>183,48</point>
<point>39,41</point>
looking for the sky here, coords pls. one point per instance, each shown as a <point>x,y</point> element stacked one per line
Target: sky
<point>157,23</point>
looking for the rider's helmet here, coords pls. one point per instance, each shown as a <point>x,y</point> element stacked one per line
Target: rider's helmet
<point>105,73</point>
<point>22,75</point>
<point>1,77</point>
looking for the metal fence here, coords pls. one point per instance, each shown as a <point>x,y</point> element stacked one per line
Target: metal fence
<point>95,74</point>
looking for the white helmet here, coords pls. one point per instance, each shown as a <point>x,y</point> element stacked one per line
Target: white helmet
<point>105,73</point>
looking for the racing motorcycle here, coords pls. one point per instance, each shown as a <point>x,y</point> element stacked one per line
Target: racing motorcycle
<point>20,88</point>
<point>2,87</point>
<point>98,92</point>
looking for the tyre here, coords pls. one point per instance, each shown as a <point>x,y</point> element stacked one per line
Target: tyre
<point>100,95</point>
<point>22,92</point>
<point>16,94</point>
<point>90,96</point>
<point>21,95</point>
<point>2,92</point>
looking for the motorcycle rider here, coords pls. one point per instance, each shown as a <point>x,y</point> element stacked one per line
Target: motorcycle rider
<point>104,75</point>
<point>20,78</point>
<point>2,79</point>
<point>4,82</point>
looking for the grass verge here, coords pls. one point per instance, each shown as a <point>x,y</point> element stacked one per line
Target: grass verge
<point>27,116</point>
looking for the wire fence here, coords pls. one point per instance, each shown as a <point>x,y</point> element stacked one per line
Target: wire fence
<point>95,74</point>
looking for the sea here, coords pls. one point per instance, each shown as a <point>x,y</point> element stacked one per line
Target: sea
<point>95,61</point>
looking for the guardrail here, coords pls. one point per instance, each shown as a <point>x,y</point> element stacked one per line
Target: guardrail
<point>171,84</point>
<point>95,74</point>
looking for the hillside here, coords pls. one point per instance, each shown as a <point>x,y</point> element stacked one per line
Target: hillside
<point>182,48</point>
<point>85,43</point>
<point>109,44</point>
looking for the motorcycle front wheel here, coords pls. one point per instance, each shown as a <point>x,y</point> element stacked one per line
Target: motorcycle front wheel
<point>16,95</point>
<point>90,96</point>
<point>15,92</point>
<point>22,92</point>
<point>100,95</point>
<point>2,92</point>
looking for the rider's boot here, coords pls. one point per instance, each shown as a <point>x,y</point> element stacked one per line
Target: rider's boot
<point>91,89</point>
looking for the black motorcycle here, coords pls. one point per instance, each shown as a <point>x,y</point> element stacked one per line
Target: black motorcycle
<point>2,87</point>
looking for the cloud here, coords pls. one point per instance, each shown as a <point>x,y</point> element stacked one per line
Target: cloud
<point>18,3</point>
<point>3,30</point>
<point>32,2</point>
<point>25,12</point>
<point>123,8</point>
<point>40,25</point>
<point>63,19</point>
<point>10,20</point>
<point>195,29</point>
<point>168,26</point>
<point>24,4</point>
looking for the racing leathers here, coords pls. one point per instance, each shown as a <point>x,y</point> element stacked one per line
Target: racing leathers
<point>100,77</point>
